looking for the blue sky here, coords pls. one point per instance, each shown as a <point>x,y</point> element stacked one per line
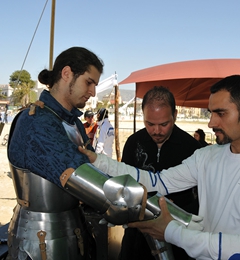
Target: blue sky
<point>128,35</point>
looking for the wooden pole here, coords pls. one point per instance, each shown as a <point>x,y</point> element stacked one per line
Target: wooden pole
<point>117,146</point>
<point>52,35</point>
<point>134,115</point>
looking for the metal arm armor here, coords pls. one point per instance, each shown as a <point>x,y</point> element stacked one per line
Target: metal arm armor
<point>119,199</point>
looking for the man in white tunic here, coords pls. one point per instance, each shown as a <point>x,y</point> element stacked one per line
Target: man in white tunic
<point>215,169</point>
<point>104,135</point>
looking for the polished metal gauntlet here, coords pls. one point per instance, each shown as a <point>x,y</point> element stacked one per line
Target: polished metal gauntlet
<point>119,199</point>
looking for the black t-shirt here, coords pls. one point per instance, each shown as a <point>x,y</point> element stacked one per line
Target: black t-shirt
<point>142,152</point>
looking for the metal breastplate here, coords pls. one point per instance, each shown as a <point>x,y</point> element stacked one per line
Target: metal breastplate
<point>47,223</point>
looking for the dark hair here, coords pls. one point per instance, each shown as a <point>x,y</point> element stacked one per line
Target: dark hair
<point>77,58</point>
<point>159,96</point>
<point>201,134</point>
<point>102,113</point>
<point>232,85</point>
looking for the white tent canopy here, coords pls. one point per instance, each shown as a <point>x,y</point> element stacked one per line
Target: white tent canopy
<point>121,109</point>
<point>103,85</point>
<point>107,83</point>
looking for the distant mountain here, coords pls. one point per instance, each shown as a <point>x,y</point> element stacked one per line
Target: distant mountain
<point>126,94</point>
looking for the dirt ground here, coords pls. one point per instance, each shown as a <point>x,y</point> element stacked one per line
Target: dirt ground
<point>7,193</point>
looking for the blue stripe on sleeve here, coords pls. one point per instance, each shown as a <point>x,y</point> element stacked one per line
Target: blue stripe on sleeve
<point>235,257</point>
<point>159,176</point>
<point>153,178</point>
<point>138,174</point>
<point>220,245</point>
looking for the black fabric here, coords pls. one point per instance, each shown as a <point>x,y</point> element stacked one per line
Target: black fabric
<point>141,151</point>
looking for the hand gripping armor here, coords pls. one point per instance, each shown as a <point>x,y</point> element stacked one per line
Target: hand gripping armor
<point>120,200</point>
<point>47,223</point>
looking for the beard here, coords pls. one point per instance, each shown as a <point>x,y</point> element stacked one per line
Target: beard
<point>222,140</point>
<point>81,105</point>
<point>159,139</point>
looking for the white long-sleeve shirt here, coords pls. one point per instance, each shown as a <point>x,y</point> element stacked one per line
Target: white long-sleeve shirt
<point>216,172</point>
<point>104,138</point>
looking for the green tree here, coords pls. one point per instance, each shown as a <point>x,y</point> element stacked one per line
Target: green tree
<point>2,96</point>
<point>102,104</point>
<point>22,85</point>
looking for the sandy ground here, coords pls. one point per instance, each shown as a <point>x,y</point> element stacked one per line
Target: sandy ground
<point>7,193</point>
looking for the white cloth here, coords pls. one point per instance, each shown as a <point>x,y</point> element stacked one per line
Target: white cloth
<point>216,172</point>
<point>104,138</point>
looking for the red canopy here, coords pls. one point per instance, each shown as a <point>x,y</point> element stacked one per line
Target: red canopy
<point>189,81</point>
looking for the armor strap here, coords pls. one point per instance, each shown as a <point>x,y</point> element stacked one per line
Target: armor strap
<point>66,175</point>
<point>159,251</point>
<point>23,203</point>
<point>33,106</point>
<point>42,245</point>
<point>77,231</point>
<point>144,202</point>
